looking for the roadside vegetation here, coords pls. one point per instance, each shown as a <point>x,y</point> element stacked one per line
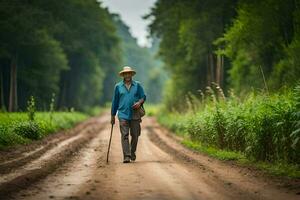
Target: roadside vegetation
<point>16,128</point>
<point>25,127</point>
<point>74,53</point>
<point>233,91</point>
<point>259,129</point>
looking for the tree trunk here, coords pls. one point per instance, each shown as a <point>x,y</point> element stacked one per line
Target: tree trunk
<point>222,72</point>
<point>208,71</point>
<point>211,66</point>
<point>62,92</point>
<point>219,70</point>
<point>13,103</point>
<point>2,104</point>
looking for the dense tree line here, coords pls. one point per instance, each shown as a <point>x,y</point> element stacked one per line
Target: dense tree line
<point>234,43</point>
<point>62,47</point>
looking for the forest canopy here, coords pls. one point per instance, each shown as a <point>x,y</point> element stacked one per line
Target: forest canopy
<point>61,47</point>
<point>71,50</point>
<point>233,43</point>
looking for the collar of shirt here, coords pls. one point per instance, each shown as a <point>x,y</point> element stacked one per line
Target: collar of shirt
<point>132,82</point>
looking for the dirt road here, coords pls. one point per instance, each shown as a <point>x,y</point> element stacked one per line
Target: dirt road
<point>72,166</point>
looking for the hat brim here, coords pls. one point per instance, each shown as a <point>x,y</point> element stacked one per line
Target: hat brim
<point>122,72</point>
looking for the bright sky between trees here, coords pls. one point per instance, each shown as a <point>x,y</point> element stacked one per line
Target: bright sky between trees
<point>131,12</point>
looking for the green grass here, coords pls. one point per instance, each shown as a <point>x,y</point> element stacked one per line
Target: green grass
<point>152,109</point>
<point>97,110</point>
<point>175,122</point>
<point>213,152</point>
<point>259,129</point>
<point>15,128</point>
<point>277,169</point>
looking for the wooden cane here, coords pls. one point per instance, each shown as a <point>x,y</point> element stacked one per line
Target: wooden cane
<point>112,126</point>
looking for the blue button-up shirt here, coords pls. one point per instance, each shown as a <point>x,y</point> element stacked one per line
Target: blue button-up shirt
<point>123,99</point>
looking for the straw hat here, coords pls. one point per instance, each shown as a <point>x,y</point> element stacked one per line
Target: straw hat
<point>127,69</point>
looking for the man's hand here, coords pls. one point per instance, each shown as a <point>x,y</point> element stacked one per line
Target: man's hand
<point>136,105</point>
<point>112,121</point>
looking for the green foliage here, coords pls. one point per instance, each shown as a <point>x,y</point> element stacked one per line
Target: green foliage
<point>154,85</point>
<point>51,107</point>
<point>296,115</point>
<point>29,130</point>
<point>31,108</point>
<point>9,138</point>
<point>174,121</point>
<point>264,33</point>
<point>250,37</point>
<point>97,110</point>
<point>15,128</point>
<point>278,168</point>
<point>62,47</point>
<point>262,127</point>
<point>152,109</point>
<point>216,153</point>
<point>255,46</point>
<point>187,31</point>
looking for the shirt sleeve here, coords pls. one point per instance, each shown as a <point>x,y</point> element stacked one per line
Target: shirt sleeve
<point>141,92</point>
<point>115,101</point>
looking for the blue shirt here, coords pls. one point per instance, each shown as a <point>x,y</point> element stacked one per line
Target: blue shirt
<point>123,99</point>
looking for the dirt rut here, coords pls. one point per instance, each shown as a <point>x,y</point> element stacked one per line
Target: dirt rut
<point>44,157</point>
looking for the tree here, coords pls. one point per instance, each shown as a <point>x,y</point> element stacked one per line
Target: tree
<point>63,47</point>
<point>261,37</point>
<point>187,31</point>
<point>22,29</point>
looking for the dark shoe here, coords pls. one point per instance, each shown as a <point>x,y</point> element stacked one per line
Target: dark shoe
<point>126,160</point>
<point>133,156</point>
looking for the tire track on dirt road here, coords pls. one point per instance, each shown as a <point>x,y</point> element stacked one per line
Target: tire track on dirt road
<point>17,156</point>
<point>69,178</point>
<point>235,177</point>
<point>36,169</point>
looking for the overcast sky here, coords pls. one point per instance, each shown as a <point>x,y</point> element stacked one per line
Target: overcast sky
<point>131,11</point>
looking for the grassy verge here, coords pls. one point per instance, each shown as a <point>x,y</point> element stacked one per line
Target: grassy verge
<point>152,109</point>
<point>213,152</point>
<point>277,169</point>
<point>262,130</point>
<point>98,110</point>
<point>15,128</point>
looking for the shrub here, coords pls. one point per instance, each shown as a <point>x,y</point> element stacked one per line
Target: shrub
<point>15,128</point>
<point>29,129</point>
<point>262,127</point>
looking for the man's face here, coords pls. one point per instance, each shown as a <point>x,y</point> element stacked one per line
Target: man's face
<point>127,76</point>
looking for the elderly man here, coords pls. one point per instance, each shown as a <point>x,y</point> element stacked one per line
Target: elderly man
<point>128,97</point>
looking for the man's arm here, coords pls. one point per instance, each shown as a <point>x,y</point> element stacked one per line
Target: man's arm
<point>115,104</point>
<point>142,97</point>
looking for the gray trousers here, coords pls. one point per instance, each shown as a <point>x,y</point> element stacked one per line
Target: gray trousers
<point>134,128</point>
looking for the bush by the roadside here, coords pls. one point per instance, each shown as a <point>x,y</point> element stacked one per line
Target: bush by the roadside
<point>152,109</point>
<point>9,138</point>
<point>15,128</point>
<point>262,127</point>
<point>27,129</point>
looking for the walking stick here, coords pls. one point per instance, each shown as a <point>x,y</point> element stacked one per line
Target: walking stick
<point>112,126</point>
